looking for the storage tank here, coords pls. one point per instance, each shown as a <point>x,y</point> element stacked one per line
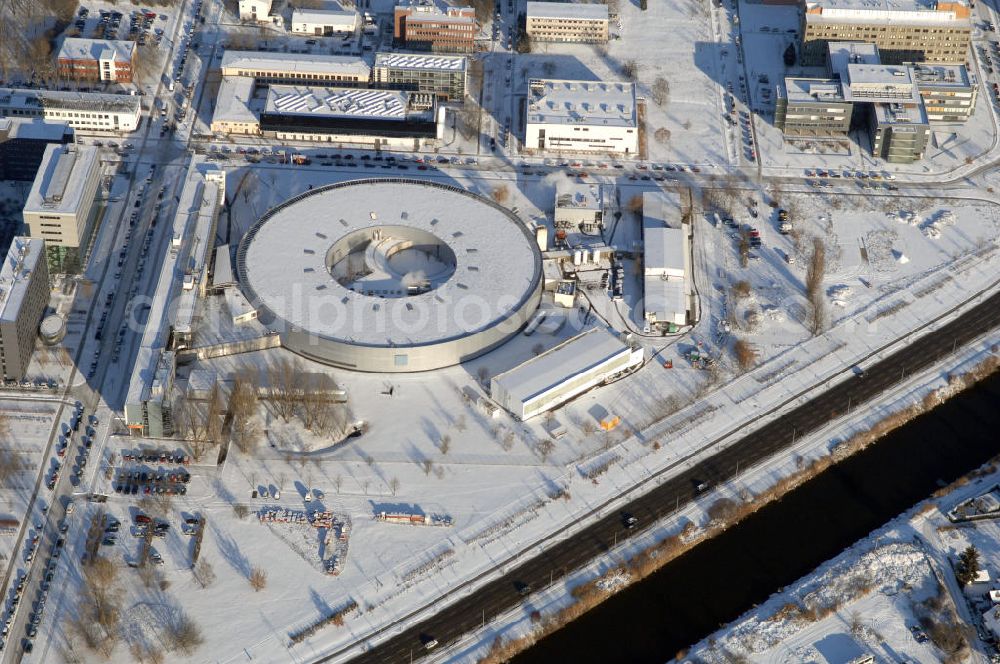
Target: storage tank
<point>52,330</point>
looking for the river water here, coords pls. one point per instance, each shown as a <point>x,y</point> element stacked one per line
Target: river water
<point>722,578</point>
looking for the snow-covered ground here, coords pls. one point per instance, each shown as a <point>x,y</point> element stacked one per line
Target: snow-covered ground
<point>864,599</point>
<point>402,463</point>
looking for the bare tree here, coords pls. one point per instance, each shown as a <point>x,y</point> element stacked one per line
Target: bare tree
<point>10,465</point>
<point>460,424</point>
<point>630,70</point>
<point>243,409</point>
<point>814,287</point>
<point>183,634</point>
<point>427,465</point>
<point>484,9</point>
<point>660,91</point>
<point>445,444</point>
<point>338,481</point>
<point>544,448</point>
<point>467,119</point>
<point>258,578</point>
<point>661,135</point>
<point>204,573</point>
<point>500,193</point>
<point>284,387</point>
<point>746,355</point>
<point>394,485</point>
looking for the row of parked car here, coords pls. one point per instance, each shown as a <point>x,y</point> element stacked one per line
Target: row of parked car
<point>133,482</point>
<point>157,456</point>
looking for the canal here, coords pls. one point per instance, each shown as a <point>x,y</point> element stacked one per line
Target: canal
<point>720,579</point>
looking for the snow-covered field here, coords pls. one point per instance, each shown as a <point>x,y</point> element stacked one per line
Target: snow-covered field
<point>894,265</point>
<point>402,463</point>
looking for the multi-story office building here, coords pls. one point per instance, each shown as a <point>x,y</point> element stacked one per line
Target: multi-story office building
<point>22,145</point>
<point>903,30</point>
<point>83,111</point>
<point>443,75</point>
<point>812,108</point>
<point>434,26</point>
<point>97,59</point>
<point>581,116</point>
<point>295,69</point>
<point>948,92</point>
<point>24,294</point>
<point>324,22</point>
<point>60,204</point>
<point>896,103</point>
<point>567,22</point>
<point>899,132</point>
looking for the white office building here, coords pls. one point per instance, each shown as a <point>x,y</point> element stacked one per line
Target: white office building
<point>255,10</point>
<point>61,200</point>
<point>596,117</point>
<point>324,22</point>
<point>563,372</point>
<point>84,111</point>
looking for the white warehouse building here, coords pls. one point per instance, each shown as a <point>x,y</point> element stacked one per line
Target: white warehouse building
<point>596,117</point>
<point>323,22</point>
<point>665,260</point>
<point>563,372</point>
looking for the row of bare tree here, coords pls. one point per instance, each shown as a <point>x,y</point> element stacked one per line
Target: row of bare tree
<point>288,391</point>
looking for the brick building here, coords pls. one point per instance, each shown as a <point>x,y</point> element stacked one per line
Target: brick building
<point>97,59</point>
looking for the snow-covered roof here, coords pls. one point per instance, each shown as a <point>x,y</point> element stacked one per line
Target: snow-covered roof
<point>265,62</point>
<point>900,114</point>
<point>814,90</point>
<point>78,101</point>
<point>33,128</point>
<point>842,54</point>
<point>662,236</point>
<point>358,103</point>
<point>881,11</point>
<point>569,10</point>
<point>424,61</point>
<point>579,196</point>
<point>233,101</point>
<point>60,183</point>
<point>325,16</point>
<point>665,300</point>
<point>601,103</point>
<point>282,262</point>
<point>941,75</point>
<point>21,260</point>
<point>77,48</point>
<point>570,358</point>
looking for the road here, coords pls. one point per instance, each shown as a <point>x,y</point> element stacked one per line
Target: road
<point>564,555</point>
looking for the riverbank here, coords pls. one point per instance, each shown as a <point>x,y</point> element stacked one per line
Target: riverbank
<point>552,609</point>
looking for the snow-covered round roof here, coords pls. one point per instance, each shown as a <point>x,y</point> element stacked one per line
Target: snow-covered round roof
<point>284,263</point>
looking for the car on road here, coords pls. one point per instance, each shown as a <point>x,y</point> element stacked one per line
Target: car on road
<point>629,520</point>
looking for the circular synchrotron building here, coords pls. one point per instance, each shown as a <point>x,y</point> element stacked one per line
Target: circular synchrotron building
<point>391,275</point>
